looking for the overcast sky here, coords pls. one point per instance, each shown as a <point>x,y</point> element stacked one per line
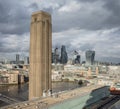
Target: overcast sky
<point>79,24</point>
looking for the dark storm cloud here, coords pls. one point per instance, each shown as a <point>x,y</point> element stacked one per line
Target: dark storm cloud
<point>78,24</point>
<point>14,25</point>
<point>113,7</point>
<point>4,9</point>
<point>93,15</point>
<point>89,15</point>
<point>14,17</point>
<point>85,0</point>
<point>74,14</point>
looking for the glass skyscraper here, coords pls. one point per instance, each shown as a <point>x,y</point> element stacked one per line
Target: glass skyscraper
<point>64,57</point>
<point>90,55</point>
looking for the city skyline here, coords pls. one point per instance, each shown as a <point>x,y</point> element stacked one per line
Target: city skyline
<point>86,25</point>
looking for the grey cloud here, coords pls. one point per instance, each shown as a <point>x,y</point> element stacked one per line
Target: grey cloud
<point>4,13</point>
<point>86,46</point>
<point>14,17</point>
<point>86,0</point>
<point>113,6</point>
<point>1,45</point>
<point>49,10</point>
<point>10,44</point>
<point>67,16</point>
<point>93,15</point>
<point>33,6</point>
<point>6,49</point>
<point>82,18</point>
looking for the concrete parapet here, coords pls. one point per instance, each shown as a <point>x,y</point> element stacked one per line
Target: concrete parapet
<point>77,99</point>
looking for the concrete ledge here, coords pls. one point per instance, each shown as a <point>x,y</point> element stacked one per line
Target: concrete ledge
<point>77,98</point>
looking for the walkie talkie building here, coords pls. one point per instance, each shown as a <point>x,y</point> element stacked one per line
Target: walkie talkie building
<point>90,55</point>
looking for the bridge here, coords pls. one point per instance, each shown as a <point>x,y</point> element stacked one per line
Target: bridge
<point>70,99</point>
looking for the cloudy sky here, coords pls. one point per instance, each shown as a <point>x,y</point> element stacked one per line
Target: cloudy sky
<point>79,24</point>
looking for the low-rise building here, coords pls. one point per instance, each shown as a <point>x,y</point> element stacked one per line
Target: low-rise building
<point>56,75</point>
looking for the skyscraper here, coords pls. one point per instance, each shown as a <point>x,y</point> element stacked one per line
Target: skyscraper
<point>40,54</point>
<point>52,57</point>
<point>64,57</point>
<point>17,58</point>
<point>77,59</point>
<point>90,55</point>
<point>55,56</point>
<point>26,60</point>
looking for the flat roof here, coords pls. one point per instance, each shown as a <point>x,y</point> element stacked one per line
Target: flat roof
<point>41,12</point>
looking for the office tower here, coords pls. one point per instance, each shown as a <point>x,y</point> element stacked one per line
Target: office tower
<point>90,57</point>
<point>40,54</point>
<point>64,57</point>
<point>55,56</point>
<point>17,58</point>
<point>52,57</point>
<point>77,59</point>
<point>28,60</point>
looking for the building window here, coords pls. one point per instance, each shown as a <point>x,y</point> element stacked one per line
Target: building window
<point>35,19</point>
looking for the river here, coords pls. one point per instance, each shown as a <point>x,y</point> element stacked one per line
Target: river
<point>20,92</point>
